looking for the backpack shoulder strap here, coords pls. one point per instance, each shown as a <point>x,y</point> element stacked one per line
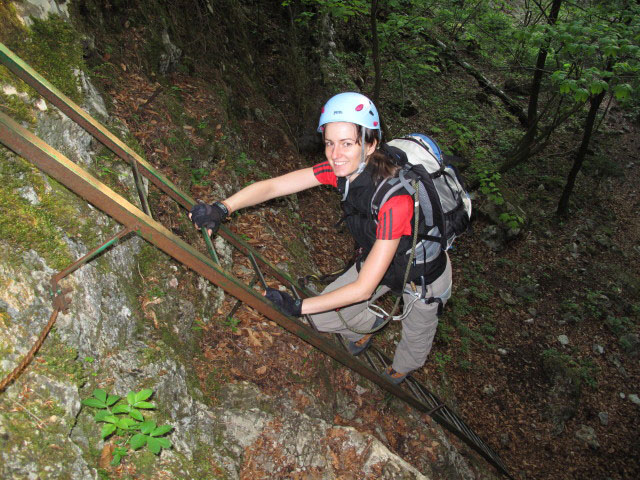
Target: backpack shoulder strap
<point>381,195</point>
<point>390,187</point>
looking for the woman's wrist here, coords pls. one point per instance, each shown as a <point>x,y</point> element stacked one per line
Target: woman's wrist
<point>226,205</point>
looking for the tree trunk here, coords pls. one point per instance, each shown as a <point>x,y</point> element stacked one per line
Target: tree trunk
<point>536,84</point>
<point>375,51</point>
<point>487,85</point>
<point>532,110</point>
<point>563,204</point>
<point>539,140</point>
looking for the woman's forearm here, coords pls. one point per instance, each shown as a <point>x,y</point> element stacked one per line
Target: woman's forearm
<point>251,195</point>
<point>264,190</point>
<point>370,276</point>
<point>347,295</point>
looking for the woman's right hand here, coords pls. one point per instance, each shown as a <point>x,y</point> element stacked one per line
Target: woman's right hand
<point>208,216</point>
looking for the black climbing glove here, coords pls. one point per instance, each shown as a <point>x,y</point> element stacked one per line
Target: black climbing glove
<point>285,302</point>
<point>207,216</point>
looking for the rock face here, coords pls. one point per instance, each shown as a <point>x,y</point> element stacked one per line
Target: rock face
<point>108,340</point>
<point>41,9</point>
<point>291,443</point>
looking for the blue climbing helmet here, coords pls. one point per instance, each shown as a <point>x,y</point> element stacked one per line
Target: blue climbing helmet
<point>350,107</point>
<point>354,108</point>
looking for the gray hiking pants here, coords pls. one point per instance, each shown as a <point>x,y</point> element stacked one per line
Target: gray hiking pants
<point>418,328</point>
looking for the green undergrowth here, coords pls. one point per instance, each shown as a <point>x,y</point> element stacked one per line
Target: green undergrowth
<point>31,427</point>
<point>52,48</point>
<point>192,154</point>
<point>41,225</point>
<point>36,421</point>
<point>60,361</point>
<point>10,25</point>
<point>113,172</point>
<point>154,269</point>
<point>26,226</point>
<point>580,371</point>
<point>457,325</point>
<point>15,107</point>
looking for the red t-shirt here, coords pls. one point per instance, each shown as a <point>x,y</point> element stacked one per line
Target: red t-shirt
<point>394,217</point>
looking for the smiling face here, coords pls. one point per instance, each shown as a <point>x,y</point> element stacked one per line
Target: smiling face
<point>342,149</point>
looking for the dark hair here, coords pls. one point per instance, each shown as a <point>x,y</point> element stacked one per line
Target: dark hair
<point>382,164</point>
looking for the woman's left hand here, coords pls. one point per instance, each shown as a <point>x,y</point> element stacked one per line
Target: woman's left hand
<point>285,302</point>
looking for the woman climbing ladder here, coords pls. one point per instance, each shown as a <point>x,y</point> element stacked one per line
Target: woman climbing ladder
<point>356,165</point>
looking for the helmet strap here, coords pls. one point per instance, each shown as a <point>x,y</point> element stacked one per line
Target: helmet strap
<point>363,157</point>
<point>358,170</point>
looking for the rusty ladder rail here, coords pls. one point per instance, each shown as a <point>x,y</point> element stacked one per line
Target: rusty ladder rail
<point>55,164</point>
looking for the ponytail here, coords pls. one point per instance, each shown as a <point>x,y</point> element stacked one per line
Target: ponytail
<point>383,165</point>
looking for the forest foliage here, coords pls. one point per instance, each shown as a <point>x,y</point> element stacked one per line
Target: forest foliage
<point>567,57</point>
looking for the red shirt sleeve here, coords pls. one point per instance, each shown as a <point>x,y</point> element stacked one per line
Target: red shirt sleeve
<point>394,218</point>
<point>324,174</point>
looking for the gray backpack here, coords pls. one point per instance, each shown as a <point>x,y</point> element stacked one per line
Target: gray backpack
<point>445,205</point>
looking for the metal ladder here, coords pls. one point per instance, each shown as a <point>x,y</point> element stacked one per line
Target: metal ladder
<point>27,145</point>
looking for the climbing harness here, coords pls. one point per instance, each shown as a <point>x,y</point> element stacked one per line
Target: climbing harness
<point>55,164</point>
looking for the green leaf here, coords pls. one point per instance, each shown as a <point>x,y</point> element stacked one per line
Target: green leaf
<point>146,405</point>
<point>621,68</point>
<point>107,430</point>
<point>138,441</point>
<point>622,91</point>
<point>581,95</point>
<point>100,394</point>
<point>598,86</point>
<point>148,426</point>
<point>164,442</point>
<point>93,402</point>
<point>161,430</point>
<point>115,461</point>
<point>136,414</point>
<point>121,409</point>
<point>126,423</point>
<point>154,445</point>
<point>143,394</point>
<point>111,399</point>
<point>611,51</point>
<point>131,398</point>
<point>101,415</point>
<point>110,419</point>
<point>558,76</point>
